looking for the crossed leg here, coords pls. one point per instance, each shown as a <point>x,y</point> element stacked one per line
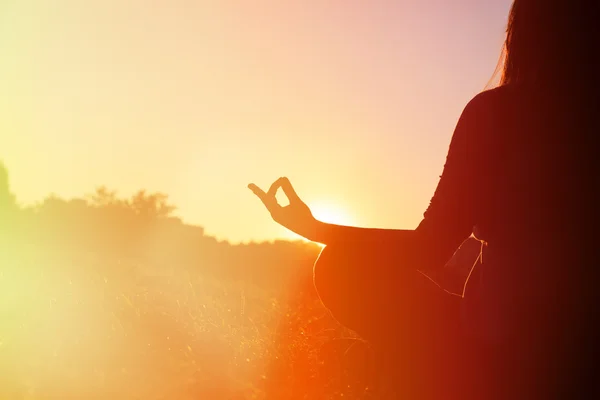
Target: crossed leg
<point>410,321</point>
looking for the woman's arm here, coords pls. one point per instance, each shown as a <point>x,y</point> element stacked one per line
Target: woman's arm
<point>452,212</point>
<point>330,234</point>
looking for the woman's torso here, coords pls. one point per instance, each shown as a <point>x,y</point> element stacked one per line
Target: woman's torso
<point>534,205</point>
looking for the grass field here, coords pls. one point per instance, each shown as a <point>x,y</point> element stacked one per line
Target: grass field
<point>77,328</point>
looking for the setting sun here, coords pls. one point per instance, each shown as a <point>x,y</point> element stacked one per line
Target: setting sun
<point>332,213</point>
<point>325,211</point>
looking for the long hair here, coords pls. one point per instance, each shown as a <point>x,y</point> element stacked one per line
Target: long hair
<point>550,41</point>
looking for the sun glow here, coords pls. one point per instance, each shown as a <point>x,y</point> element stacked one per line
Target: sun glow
<point>326,212</point>
<point>331,213</point>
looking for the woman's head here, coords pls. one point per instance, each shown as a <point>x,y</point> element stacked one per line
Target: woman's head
<point>551,40</point>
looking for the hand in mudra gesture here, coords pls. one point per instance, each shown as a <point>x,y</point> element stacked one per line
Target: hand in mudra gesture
<point>296,216</point>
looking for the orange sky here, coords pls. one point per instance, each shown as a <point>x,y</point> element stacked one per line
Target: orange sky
<point>354,101</point>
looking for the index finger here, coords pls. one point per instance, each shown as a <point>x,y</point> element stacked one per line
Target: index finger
<point>269,201</point>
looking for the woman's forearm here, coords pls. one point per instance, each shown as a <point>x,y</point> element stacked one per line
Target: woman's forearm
<point>404,247</point>
<point>326,233</point>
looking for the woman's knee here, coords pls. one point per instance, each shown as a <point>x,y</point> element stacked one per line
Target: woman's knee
<point>351,290</point>
<point>327,270</point>
<point>341,278</point>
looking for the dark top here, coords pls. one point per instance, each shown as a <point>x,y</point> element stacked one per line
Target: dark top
<point>515,173</point>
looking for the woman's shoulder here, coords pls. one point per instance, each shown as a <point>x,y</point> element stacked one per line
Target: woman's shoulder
<point>493,98</point>
<point>485,107</point>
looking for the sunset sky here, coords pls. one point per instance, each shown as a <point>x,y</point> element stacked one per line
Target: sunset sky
<point>355,101</point>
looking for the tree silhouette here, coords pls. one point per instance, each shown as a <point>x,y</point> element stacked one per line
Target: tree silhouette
<point>103,197</point>
<point>153,205</point>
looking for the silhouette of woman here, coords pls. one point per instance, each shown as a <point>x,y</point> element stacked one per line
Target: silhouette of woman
<point>515,169</point>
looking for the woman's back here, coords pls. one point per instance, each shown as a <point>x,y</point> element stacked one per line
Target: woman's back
<point>536,213</point>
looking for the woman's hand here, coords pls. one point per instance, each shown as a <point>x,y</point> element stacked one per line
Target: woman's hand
<point>296,216</point>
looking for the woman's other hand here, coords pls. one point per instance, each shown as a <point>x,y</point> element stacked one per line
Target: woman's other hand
<point>296,216</point>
